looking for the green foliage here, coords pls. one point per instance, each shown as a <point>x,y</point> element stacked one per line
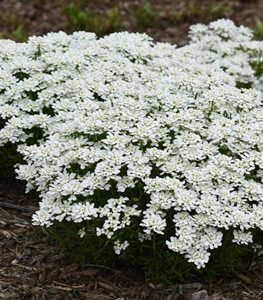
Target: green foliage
<point>259,30</point>
<point>258,67</point>
<point>17,30</point>
<point>90,248</point>
<point>19,34</point>
<point>229,258</point>
<point>256,61</point>
<point>194,9</point>
<point>177,15</point>
<point>78,19</point>
<point>145,16</point>
<point>152,257</point>
<point>216,11</point>
<point>9,157</point>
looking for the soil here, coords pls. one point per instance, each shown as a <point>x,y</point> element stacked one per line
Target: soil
<point>39,17</point>
<point>32,266</point>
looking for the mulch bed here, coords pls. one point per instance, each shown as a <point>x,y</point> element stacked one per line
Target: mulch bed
<point>32,266</point>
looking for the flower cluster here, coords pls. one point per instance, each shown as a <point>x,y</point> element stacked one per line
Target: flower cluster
<point>127,131</point>
<point>231,48</point>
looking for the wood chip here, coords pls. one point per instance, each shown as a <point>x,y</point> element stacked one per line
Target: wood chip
<point>232,286</point>
<point>200,295</point>
<point>244,278</point>
<point>191,286</point>
<point>63,288</point>
<point>107,286</point>
<point>18,207</point>
<point>90,272</point>
<point>5,233</point>
<point>71,268</point>
<point>217,296</point>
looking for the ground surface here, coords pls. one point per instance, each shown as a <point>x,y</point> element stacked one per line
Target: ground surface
<point>166,20</point>
<point>31,265</point>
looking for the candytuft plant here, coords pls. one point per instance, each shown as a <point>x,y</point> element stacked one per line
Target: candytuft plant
<point>140,146</point>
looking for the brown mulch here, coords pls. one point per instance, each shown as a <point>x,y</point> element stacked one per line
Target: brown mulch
<point>40,17</point>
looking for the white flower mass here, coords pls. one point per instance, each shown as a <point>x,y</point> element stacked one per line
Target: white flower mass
<point>97,119</point>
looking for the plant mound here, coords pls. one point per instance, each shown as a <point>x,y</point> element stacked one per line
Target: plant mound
<point>137,141</point>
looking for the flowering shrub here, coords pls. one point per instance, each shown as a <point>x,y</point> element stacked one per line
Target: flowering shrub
<point>136,140</point>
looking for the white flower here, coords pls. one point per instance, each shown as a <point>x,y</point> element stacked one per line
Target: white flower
<point>118,246</point>
<point>241,237</point>
<point>82,232</point>
<point>153,222</point>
